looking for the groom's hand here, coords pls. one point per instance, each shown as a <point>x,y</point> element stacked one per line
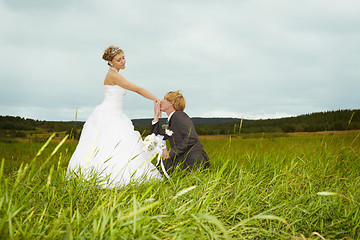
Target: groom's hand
<point>165,154</point>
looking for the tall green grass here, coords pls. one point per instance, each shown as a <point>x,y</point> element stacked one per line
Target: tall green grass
<point>277,187</point>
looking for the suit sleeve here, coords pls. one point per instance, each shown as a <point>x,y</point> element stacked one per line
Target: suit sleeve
<point>182,127</point>
<point>155,128</point>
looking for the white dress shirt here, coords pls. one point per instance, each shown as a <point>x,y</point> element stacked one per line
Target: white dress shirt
<point>170,115</point>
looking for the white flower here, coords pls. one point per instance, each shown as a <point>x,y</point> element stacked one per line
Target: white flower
<point>169,132</point>
<point>149,143</point>
<point>153,143</point>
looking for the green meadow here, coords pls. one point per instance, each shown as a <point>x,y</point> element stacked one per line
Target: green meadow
<point>260,186</point>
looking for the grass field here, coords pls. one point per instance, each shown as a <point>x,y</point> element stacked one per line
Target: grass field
<point>268,186</point>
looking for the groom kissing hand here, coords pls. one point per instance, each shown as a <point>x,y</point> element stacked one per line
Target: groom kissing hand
<point>186,150</point>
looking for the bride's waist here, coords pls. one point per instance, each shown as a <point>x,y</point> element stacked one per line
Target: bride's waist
<point>114,97</point>
<point>112,102</point>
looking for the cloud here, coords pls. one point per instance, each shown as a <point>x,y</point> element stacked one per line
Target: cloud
<point>233,58</point>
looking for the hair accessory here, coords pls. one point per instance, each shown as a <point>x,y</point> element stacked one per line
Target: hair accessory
<point>114,50</point>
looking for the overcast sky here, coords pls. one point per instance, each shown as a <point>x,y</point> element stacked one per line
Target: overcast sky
<point>241,58</point>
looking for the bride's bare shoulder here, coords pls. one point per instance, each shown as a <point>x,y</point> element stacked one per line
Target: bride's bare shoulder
<point>110,78</point>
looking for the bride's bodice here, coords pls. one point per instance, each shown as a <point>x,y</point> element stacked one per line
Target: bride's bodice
<point>114,96</point>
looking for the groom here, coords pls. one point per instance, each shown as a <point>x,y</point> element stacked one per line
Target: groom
<point>186,149</point>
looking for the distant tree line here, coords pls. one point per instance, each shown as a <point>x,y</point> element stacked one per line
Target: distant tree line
<point>18,127</point>
<point>321,121</point>
<point>20,123</point>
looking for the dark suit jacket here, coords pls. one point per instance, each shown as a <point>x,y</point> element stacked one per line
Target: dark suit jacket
<point>186,149</point>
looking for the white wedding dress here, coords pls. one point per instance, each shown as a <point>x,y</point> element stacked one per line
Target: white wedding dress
<point>110,147</point>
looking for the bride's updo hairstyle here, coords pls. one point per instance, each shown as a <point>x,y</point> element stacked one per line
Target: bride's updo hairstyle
<point>111,52</point>
<point>177,99</point>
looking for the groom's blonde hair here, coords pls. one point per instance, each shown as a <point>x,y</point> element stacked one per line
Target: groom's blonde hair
<point>177,99</point>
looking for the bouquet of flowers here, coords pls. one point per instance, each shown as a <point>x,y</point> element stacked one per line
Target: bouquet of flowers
<point>153,145</point>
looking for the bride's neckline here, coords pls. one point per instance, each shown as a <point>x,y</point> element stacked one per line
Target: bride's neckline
<point>114,69</point>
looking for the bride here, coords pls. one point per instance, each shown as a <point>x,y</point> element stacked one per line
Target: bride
<point>108,146</point>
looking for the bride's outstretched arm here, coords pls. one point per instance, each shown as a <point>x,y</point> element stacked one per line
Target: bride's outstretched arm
<point>122,82</point>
